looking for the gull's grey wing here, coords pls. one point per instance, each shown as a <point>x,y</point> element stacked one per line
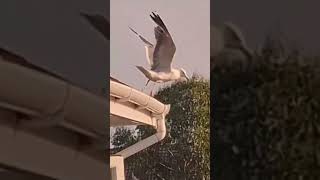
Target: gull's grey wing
<point>149,47</point>
<point>8,56</point>
<point>234,38</point>
<point>99,23</point>
<point>165,47</point>
<point>233,35</point>
<point>216,41</point>
<point>142,38</point>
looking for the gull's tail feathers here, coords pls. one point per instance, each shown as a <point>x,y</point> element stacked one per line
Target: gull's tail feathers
<point>144,71</point>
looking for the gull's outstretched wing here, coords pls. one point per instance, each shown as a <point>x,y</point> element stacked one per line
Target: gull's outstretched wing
<point>142,38</point>
<point>232,35</point>
<point>148,45</point>
<point>234,38</point>
<point>8,56</point>
<point>99,23</point>
<point>165,47</point>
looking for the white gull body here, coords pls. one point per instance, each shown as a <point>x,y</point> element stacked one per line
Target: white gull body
<point>161,55</point>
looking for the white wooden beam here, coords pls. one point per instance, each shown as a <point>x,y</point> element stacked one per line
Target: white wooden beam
<point>34,154</point>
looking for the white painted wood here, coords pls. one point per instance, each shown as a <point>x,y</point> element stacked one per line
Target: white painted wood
<point>29,152</point>
<point>117,168</point>
<point>28,91</point>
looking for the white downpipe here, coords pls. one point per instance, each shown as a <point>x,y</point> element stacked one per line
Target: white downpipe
<point>159,110</point>
<point>39,95</point>
<point>149,141</point>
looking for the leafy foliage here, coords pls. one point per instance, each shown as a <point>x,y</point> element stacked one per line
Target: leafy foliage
<point>123,137</point>
<point>185,151</point>
<point>266,119</point>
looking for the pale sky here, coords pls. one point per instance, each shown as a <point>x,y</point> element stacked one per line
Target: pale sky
<point>187,22</point>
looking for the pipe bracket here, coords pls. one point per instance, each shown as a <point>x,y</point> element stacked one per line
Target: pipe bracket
<point>127,98</point>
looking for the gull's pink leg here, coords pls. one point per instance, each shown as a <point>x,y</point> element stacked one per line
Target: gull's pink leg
<point>145,85</point>
<point>151,92</point>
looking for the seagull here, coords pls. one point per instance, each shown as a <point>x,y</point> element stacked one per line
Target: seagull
<point>99,22</point>
<point>228,40</point>
<point>161,55</point>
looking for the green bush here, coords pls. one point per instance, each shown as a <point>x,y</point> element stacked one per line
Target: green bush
<point>185,151</point>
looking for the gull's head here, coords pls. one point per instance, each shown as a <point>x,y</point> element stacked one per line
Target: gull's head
<point>183,74</point>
